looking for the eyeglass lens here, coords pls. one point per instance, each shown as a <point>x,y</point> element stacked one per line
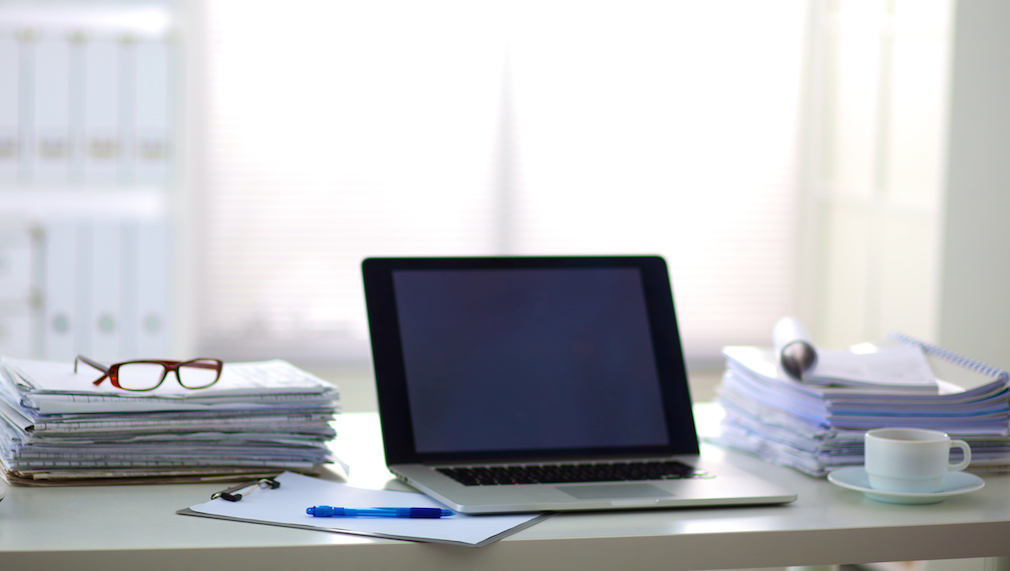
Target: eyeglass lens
<point>140,376</point>
<point>199,373</point>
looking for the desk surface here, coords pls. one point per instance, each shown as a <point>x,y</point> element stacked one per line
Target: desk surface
<point>136,527</point>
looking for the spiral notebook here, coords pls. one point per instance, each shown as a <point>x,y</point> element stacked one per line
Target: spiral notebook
<point>963,372</point>
<point>907,365</point>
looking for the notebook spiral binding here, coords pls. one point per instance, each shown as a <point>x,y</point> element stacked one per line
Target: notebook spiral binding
<point>951,356</point>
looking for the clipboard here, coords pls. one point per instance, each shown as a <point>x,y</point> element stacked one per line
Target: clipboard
<point>285,506</point>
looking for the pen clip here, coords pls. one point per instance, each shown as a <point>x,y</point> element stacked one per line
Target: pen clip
<point>231,495</point>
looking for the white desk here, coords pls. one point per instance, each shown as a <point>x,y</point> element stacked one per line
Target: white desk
<point>135,527</point>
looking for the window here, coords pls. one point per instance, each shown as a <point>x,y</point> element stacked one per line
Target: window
<point>344,129</point>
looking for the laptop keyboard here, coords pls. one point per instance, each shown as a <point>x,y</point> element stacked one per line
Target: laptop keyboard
<point>572,473</point>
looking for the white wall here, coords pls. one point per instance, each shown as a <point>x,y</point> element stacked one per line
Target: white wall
<point>875,168</point>
<point>909,174</point>
<point>974,314</point>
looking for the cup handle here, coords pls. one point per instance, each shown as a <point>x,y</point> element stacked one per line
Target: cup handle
<point>967,456</point>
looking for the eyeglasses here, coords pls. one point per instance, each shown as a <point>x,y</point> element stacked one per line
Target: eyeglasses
<point>148,375</point>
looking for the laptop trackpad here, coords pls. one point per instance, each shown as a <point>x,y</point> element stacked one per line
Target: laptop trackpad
<point>602,492</point>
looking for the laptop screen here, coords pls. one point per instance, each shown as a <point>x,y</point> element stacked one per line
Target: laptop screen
<point>526,357</point>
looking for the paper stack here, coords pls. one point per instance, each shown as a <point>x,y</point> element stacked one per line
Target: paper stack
<point>57,428</point>
<point>817,427</point>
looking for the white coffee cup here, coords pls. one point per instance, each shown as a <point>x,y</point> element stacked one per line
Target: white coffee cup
<point>911,459</point>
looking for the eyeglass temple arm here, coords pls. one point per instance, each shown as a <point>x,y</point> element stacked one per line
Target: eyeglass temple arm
<point>91,363</point>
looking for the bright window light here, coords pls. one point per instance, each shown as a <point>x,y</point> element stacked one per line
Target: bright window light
<point>342,130</point>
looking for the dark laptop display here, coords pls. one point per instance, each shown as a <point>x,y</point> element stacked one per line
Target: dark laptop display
<point>533,359</point>
<point>533,336</point>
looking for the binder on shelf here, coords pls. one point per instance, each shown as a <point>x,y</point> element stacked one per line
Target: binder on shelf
<point>152,118</point>
<point>59,291</point>
<point>106,290</point>
<point>102,94</point>
<point>128,303</point>
<point>83,258</point>
<point>52,102</point>
<point>16,263</point>
<point>15,329</point>
<point>10,106</point>
<point>146,277</point>
<point>151,326</point>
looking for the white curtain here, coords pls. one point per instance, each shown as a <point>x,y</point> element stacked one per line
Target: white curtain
<point>346,129</point>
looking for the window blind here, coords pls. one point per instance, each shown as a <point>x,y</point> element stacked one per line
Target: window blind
<point>342,130</point>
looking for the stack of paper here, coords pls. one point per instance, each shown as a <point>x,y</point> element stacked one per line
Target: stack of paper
<point>817,427</point>
<point>56,427</point>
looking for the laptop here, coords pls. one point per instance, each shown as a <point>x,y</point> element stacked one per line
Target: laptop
<point>518,384</point>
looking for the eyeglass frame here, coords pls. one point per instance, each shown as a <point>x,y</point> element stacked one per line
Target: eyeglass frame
<point>112,371</point>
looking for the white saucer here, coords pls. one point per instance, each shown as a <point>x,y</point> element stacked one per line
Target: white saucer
<point>954,483</point>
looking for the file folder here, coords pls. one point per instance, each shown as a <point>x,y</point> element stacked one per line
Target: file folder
<point>15,330</point>
<point>102,107</point>
<point>10,107</point>
<point>154,279</point>
<point>106,290</point>
<point>146,289</point>
<point>17,278</point>
<point>16,270</point>
<point>152,144</point>
<point>59,299</point>
<point>52,100</point>
<point>131,289</point>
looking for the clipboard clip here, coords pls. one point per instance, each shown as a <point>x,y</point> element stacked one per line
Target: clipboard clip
<point>232,495</point>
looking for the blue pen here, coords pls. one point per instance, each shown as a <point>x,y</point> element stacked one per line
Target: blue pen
<point>327,511</point>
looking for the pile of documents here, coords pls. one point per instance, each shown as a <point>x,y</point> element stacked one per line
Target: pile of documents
<point>57,428</point>
<point>817,428</point>
<point>817,423</point>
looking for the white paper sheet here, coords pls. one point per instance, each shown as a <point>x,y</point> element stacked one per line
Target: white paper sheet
<point>888,366</point>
